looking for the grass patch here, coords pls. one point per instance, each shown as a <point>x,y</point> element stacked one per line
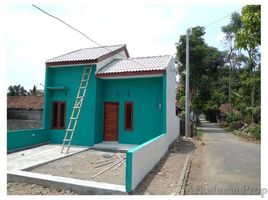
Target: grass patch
<point>199,133</point>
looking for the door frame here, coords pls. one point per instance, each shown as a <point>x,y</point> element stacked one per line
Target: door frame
<point>104,106</point>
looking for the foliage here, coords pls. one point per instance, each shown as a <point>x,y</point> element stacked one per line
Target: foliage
<point>250,131</point>
<point>16,90</point>
<point>204,64</point>
<point>34,91</point>
<point>233,118</point>
<point>229,76</point>
<point>249,36</point>
<point>255,130</point>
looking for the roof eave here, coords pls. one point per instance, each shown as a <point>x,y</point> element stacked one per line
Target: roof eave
<point>135,73</point>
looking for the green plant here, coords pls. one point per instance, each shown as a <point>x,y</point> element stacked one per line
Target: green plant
<point>255,131</point>
<point>233,118</point>
<point>235,125</point>
<point>199,132</point>
<point>182,115</point>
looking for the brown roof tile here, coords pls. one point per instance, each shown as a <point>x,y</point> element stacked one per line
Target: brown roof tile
<point>25,102</point>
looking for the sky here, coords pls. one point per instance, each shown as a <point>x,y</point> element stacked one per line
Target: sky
<point>147,27</point>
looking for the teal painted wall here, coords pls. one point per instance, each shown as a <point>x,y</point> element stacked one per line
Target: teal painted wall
<point>99,113</point>
<point>146,95</point>
<point>70,77</point>
<point>25,138</point>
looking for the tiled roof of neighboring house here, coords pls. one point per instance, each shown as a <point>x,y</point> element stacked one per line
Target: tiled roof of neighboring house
<point>225,109</point>
<point>25,102</point>
<point>88,54</point>
<point>142,64</point>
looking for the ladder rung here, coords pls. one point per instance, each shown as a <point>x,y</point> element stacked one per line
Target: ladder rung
<point>77,105</point>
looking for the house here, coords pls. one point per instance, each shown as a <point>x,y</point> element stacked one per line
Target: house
<point>24,112</point>
<point>127,100</point>
<point>109,99</point>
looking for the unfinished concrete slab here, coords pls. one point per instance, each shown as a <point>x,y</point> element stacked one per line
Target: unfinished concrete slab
<point>113,146</point>
<point>38,155</point>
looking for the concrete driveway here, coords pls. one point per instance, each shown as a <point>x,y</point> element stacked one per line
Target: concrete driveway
<point>225,164</point>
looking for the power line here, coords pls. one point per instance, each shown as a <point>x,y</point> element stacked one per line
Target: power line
<point>220,19</point>
<point>67,24</point>
<point>98,44</point>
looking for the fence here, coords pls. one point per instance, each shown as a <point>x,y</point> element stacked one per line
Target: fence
<point>21,139</point>
<point>141,159</point>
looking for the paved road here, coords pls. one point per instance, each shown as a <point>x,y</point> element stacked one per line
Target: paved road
<point>224,165</point>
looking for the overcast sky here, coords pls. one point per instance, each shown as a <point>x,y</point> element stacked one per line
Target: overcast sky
<point>150,28</point>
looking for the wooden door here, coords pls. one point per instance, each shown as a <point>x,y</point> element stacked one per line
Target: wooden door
<point>111,114</point>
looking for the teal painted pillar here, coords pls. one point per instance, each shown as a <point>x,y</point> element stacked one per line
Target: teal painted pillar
<point>164,103</point>
<point>45,103</point>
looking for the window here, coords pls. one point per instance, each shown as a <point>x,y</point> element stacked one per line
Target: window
<point>58,114</point>
<point>129,116</point>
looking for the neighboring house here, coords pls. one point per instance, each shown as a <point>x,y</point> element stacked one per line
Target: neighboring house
<point>24,112</point>
<point>128,100</point>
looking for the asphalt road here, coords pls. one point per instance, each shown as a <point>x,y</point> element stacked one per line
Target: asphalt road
<point>225,165</point>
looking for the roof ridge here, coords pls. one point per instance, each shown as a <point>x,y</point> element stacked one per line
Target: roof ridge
<point>105,46</point>
<point>149,56</point>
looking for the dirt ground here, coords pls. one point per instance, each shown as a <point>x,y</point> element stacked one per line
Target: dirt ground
<point>84,165</point>
<point>15,188</point>
<point>162,180</point>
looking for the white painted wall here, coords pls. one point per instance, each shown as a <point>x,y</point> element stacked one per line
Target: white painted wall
<point>172,121</point>
<point>120,55</point>
<point>145,158</point>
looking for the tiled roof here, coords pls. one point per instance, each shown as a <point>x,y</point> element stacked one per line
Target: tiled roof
<point>25,102</point>
<point>87,54</point>
<point>154,63</point>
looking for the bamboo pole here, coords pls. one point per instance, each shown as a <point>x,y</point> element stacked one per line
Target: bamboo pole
<point>105,169</point>
<point>120,159</point>
<point>105,160</point>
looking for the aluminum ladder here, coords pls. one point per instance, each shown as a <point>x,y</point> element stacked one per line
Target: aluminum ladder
<point>76,109</point>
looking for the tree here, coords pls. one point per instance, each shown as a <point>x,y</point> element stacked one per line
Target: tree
<point>249,39</point>
<point>230,32</point>
<point>204,64</point>
<point>33,92</point>
<point>16,90</point>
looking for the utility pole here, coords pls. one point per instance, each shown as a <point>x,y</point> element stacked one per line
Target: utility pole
<point>187,98</point>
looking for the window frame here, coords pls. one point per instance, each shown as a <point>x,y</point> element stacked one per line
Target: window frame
<point>125,116</point>
<point>58,122</point>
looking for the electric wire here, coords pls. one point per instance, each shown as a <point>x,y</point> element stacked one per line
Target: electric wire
<point>80,32</point>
